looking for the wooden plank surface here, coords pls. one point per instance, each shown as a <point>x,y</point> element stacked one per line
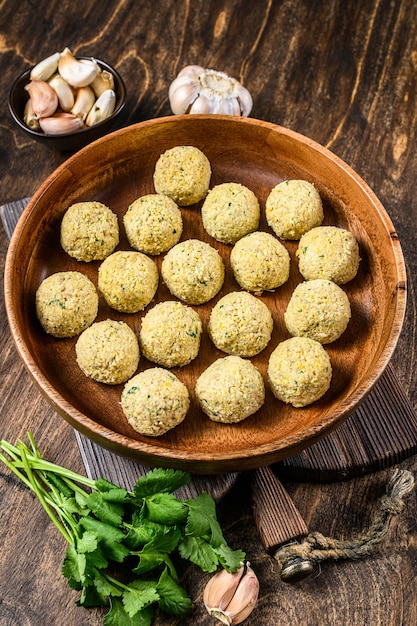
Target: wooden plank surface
<point>339,72</point>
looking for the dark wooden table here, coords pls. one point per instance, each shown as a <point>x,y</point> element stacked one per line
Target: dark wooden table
<point>341,72</point>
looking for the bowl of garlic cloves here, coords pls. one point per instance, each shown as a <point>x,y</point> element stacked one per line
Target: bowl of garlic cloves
<point>67,101</point>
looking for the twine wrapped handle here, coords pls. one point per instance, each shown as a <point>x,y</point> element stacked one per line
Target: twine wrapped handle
<point>296,559</point>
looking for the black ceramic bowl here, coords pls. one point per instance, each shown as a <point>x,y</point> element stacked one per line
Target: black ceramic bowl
<point>70,142</point>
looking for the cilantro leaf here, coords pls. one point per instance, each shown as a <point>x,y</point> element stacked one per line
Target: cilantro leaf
<point>202,520</point>
<point>165,509</point>
<point>102,485</point>
<point>142,530</point>
<point>138,595</point>
<point>91,597</point>
<point>199,552</point>
<point>117,615</point>
<point>110,538</point>
<point>73,567</point>
<point>105,587</point>
<point>160,481</point>
<point>81,500</point>
<point>173,598</point>
<point>230,559</point>
<point>88,542</point>
<point>157,551</point>
<point>109,512</point>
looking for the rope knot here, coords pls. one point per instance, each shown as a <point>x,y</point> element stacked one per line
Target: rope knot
<point>390,505</point>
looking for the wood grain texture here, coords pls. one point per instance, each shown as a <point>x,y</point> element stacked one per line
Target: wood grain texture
<point>339,72</point>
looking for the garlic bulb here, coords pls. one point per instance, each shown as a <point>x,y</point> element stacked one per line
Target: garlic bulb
<point>231,598</point>
<point>199,90</point>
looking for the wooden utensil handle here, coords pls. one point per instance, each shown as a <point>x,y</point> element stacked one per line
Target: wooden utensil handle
<point>276,516</point>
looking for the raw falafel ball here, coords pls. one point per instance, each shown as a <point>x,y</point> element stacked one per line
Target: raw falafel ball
<point>108,352</point>
<point>229,212</point>
<point>155,401</point>
<point>260,262</point>
<point>128,280</point>
<point>153,224</point>
<point>318,309</point>
<point>170,334</point>
<point>230,390</point>
<point>240,324</point>
<point>193,271</point>
<point>292,208</point>
<point>299,371</point>
<point>328,252</point>
<point>183,174</point>
<point>66,303</point>
<point>89,231</point>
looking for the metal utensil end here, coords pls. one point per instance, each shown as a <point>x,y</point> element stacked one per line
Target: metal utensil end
<point>296,569</point>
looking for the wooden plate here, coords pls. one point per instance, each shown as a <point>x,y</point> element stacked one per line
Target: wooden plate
<point>119,168</point>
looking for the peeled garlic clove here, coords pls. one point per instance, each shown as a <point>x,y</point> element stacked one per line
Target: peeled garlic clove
<point>29,117</point>
<point>84,101</point>
<point>223,93</point>
<point>45,68</point>
<point>74,71</point>
<point>60,124</point>
<point>230,598</point>
<point>103,108</point>
<point>44,98</point>
<point>104,80</point>
<point>63,91</point>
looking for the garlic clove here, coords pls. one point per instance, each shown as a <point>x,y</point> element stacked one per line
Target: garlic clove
<point>29,117</point>
<point>245,101</point>
<point>44,98</point>
<point>201,105</point>
<point>231,598</point>
<point>45,68</point>
<point>245,598</point>
<point>84,101</point>
<point>228,106</point>
<point>183,98</point>
<point>103,108</point>
<point>63,91</point>
<point>220,589</point>
<point>77,73</point>
<point>60,123</point>
<point>104,80</point>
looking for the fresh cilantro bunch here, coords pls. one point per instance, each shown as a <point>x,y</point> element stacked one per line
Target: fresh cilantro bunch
<point>106,525</point>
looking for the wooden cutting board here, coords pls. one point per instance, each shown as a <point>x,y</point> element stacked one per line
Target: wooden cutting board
<point>382,431</point>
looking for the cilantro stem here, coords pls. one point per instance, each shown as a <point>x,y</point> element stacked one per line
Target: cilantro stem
<point>37,463</point>
<point>40,493</point>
